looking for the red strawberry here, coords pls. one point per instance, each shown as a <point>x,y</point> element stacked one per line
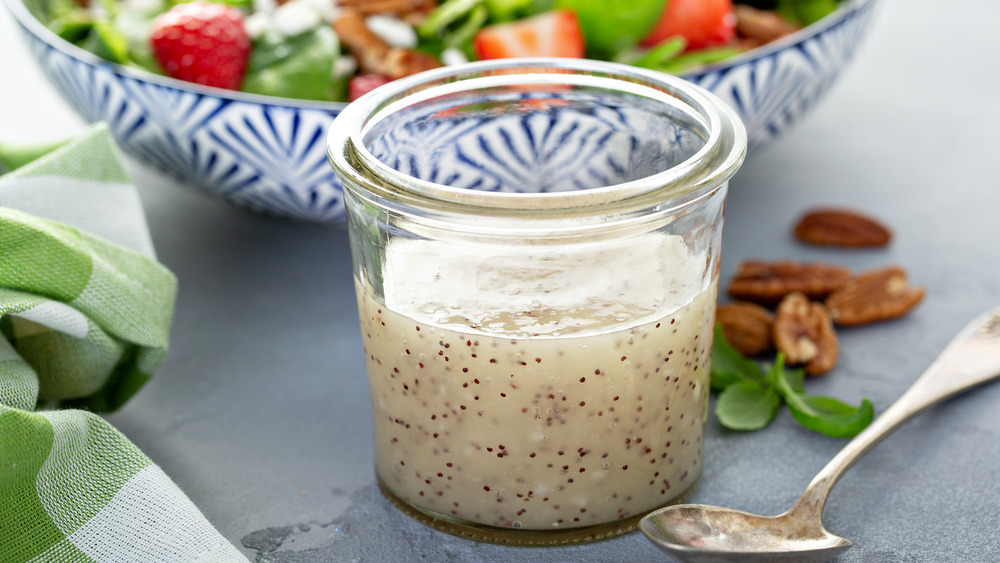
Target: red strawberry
<point>551,34</point>
<point>703,23</point>
<point>203,43</point>
<point>364,83</point>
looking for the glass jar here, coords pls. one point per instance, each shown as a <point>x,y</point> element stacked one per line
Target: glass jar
<point>536,255</point>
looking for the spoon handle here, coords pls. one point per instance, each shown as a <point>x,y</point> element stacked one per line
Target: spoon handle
<point>972,358</point>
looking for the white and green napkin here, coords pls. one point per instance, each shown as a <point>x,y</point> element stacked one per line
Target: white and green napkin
<point>85,312</point>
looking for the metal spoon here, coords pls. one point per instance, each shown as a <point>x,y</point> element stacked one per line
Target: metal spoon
<point>699,533</point>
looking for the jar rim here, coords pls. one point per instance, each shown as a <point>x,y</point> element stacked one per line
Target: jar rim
<point>704,171</point>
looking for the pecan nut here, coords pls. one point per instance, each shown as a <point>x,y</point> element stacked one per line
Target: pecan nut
<point>761,25</point>
<point>769,282</point>
<point>840,227</point>
<point>746,326</point>
<point>804,334</point>
<point>875,295</point>
<point>372,52</point>
<point>397,7</point>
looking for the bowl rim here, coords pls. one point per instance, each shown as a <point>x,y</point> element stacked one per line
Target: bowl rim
<point>28,21</point>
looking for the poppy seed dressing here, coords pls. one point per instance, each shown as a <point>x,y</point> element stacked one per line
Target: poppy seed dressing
<point>560,394</point>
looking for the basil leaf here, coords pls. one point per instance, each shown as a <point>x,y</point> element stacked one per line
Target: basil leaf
<point>293,67</point>
<point>825,415</point>
<point>785,379</point>
<point>796,379</point>
<point>747,405</point>
<point>829,416</point>
<point>729,366</point>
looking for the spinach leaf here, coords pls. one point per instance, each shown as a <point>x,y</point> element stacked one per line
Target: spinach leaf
<point>295,67</point>
<point>105,41</point>
<point>610,28</point>
<point>806,12</point>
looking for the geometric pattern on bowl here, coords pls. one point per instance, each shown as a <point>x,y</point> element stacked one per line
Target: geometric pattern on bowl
<point>268,154</point>
<point>537,142</point>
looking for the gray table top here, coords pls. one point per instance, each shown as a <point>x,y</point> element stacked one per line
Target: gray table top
<point>260,413</point>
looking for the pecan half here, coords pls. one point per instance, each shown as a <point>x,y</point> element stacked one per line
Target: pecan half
<point>746,326</point>
<point>761,25</point>
<point>769,282</point>
<point>873,296</point>
<point>840,227</point>
<point>398,7</point>
<point>804,334</point>
<point>373,53</point>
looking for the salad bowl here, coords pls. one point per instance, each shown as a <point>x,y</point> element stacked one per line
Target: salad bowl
<point>268,153</point>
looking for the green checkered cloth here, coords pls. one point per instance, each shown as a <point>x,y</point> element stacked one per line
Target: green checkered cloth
<point>85,313</point>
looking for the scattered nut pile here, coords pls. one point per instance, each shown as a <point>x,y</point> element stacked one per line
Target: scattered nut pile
<point>810,298</point>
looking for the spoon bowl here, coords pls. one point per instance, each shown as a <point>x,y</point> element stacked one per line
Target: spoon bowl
<point>700,534</point>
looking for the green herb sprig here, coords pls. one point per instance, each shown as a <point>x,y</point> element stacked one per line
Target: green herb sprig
<point>750,397</point>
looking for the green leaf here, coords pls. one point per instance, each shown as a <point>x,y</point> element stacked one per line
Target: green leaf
<point>463,34</point>
<point>780,376</point>
<point>729,366</point>
<point>296,67</point>
<point>58,9</point>
<point>444,15</point>
<point>825,415</point>
<point>508,10</point>
<point>134,26</point>
<point>747,405</point>
<point>750,399</point>
<point>796,379</point>
<point>830,416</point>
<point>610,28</point>
<point>110,8</point>
<point>105,41</point>
<point>694,59</point>
<point>72,27</point>
<point>805,12</point>
<point>662,53</point>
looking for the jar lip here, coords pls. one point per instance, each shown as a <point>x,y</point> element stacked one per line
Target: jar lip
<point>709,167</point>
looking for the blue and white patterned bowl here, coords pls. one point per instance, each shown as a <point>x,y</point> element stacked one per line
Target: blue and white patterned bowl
<point>269,154</point>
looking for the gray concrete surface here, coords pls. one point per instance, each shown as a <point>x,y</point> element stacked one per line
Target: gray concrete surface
<point>260,413</point>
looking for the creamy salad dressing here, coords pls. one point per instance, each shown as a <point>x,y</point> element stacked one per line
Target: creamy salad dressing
<point>533,408</point>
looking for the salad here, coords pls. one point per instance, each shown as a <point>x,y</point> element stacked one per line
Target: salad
<point>336,50</point>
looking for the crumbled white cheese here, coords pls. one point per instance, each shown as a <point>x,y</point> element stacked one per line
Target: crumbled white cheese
<point>257,24</point>
<point>143,6</point>
<point>393,31</point>
<point>327,9</point>
<point>265,6</point>
<point>295,17</point>
<point>344,66</point>
<point>452,56</point>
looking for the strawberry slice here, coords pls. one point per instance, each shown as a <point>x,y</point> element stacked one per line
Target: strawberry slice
<point>702,23</point>
<point>550,34</point>
<point>202,42</point>
<point>364,83</point>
